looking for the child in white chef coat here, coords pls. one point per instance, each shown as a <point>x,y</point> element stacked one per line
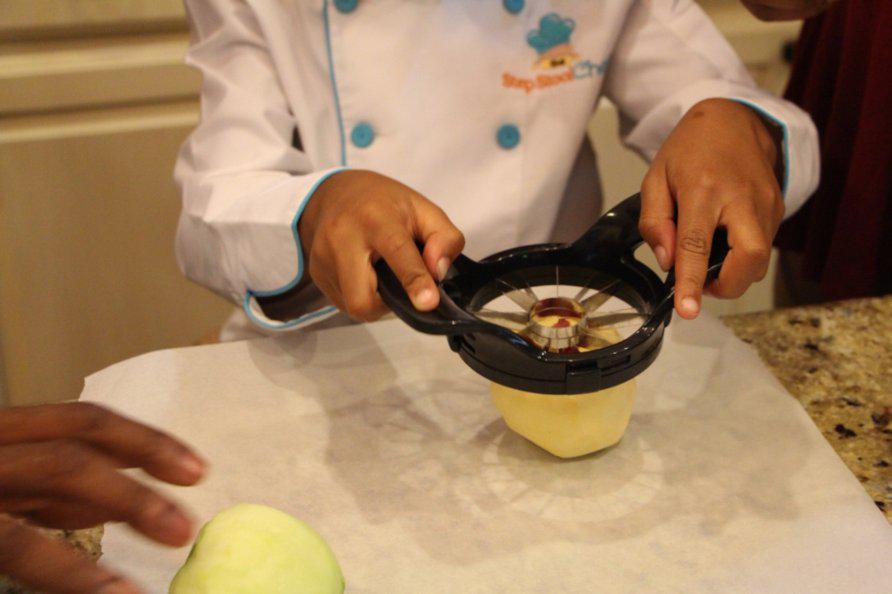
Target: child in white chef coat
<point>336,132</point>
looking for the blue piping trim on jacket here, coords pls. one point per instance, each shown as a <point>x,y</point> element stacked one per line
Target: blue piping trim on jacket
<point>249,294</point>
<point>290,323</point>
<point>783,125</point>
<point>334,83</point>
<point>300,262</point>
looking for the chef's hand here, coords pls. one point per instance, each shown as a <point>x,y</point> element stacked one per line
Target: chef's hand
<point>59,468</point>
<point>785,10</point>
<point>719,168</point>
<point>355,217</point>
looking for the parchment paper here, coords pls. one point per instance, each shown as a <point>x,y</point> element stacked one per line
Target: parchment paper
<point>387,444</point>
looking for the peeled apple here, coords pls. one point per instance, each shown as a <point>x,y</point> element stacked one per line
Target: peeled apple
<point>258,550</point>
<point>569,425</point>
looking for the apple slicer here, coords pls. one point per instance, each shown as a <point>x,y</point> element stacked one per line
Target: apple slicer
<point>555,318</point>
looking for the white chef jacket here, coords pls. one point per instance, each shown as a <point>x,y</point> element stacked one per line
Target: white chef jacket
<point>480,105</point>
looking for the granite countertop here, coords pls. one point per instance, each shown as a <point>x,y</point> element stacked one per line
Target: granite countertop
<point>836,359</point>
<point>87,542</point>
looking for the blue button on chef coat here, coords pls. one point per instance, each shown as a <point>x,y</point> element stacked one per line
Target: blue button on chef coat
<point>508,136</point>
<point>362,135</point>
<point>346,6</point>
<point>513,6</point>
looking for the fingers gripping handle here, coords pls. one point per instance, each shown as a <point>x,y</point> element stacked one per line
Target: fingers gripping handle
<point>447,318</point>
<point>616,234</point>
<point>717,254</point>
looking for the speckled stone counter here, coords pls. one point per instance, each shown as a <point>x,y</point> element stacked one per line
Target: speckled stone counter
<point>88,542</point>
<point>836,359</point>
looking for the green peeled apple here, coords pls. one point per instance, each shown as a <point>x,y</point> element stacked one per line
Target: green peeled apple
<point>254,549</point>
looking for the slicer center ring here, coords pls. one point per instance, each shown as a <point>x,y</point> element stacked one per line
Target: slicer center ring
<point>557,321</point>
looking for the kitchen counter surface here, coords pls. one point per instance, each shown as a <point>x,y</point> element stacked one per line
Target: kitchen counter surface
<point>836,359</point>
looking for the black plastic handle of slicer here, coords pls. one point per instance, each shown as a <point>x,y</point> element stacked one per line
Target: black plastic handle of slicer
<point>615,233</point>
<point>448,318</point>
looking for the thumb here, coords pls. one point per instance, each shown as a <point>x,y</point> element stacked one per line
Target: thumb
<point>443,242</point>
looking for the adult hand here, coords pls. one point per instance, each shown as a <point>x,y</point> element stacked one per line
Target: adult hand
<point>786,10</point>
<point>60,468</point>
<point>718,168</point>
<point>355,217</point>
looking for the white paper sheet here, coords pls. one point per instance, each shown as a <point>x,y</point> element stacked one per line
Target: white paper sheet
<point>387,444</point>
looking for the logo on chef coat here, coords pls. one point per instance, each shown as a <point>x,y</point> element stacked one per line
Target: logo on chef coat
<point>557,61</point>
<point>552,42</point>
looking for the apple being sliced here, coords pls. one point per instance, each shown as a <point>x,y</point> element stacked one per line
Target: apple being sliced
<point>569,425</point>
<point>258,550</point>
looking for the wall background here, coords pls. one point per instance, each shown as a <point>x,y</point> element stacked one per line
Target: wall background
<point>94,103</point>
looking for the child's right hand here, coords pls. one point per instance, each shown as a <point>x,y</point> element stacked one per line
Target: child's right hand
<point>356,217</point>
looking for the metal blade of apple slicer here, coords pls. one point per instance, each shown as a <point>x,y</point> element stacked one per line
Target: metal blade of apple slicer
<point>561,317</point>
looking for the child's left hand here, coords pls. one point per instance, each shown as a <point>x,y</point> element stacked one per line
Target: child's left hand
<point>718,166</point>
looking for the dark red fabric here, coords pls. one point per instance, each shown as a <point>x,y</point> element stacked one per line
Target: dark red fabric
<point>842,75</point>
